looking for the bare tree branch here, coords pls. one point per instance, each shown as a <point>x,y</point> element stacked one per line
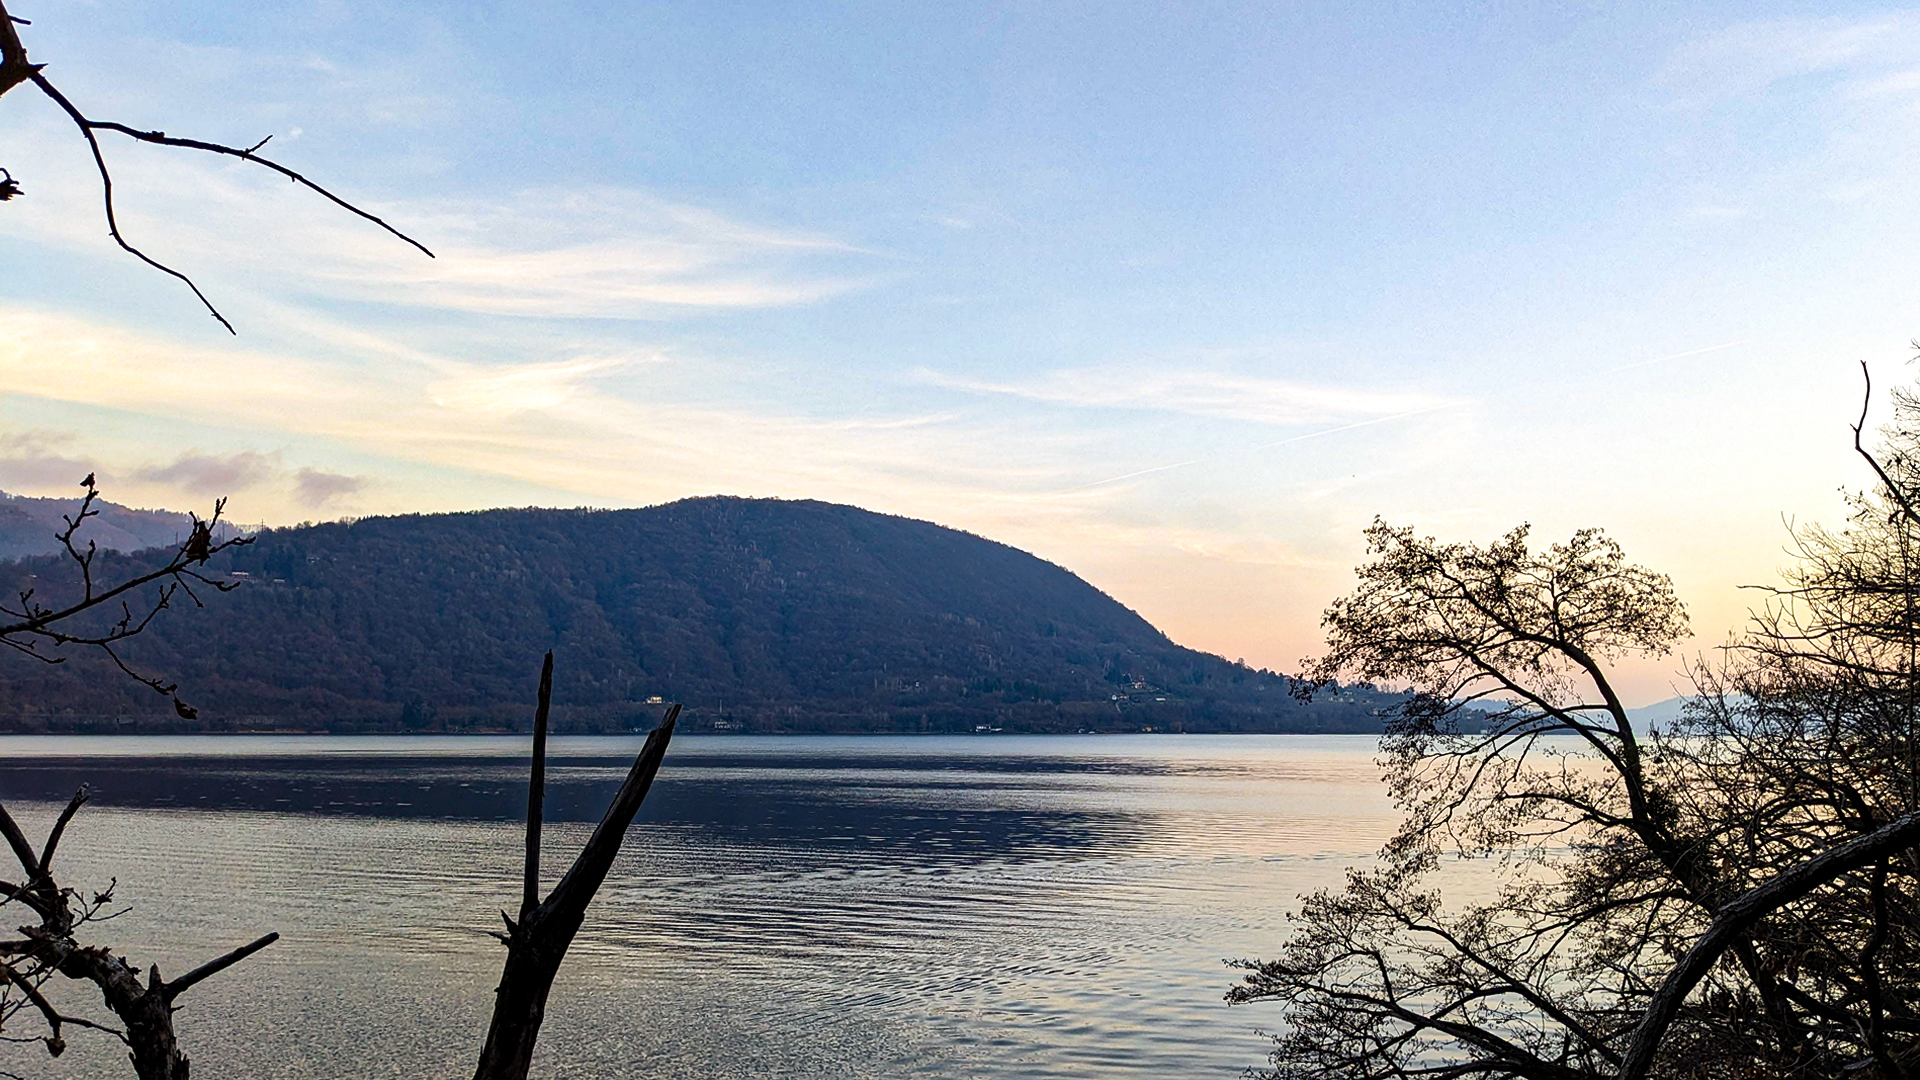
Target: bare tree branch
<point>59,828</point>
<point>106,193</point>
<point>1738,916</point>
<point>33,623</point>
<point>16,69</point>
<point>1893,490</point>
<point>181,985</point>
<point>145,1007</point>
<point>22,850</point>
<point>161,138</point>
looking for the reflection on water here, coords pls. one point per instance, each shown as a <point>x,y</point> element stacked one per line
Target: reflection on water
<point>786,907</point>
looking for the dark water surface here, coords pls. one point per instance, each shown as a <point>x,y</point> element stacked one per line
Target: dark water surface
<point>1005,906</point>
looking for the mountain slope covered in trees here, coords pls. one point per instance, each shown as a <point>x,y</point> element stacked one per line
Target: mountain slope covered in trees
<point>761,615</point>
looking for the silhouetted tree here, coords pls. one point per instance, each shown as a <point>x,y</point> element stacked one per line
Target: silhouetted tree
<point>1740,897</point>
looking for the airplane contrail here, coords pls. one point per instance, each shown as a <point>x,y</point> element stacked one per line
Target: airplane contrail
<point>1675,356</point>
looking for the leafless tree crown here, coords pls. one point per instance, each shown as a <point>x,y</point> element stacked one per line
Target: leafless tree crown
<point>1739,896</point>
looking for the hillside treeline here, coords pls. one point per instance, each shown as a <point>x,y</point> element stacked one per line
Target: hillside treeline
<point>760,615</point>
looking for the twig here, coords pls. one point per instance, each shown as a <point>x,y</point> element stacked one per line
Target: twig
<point>1893,489</point>
<point>22,850</point>
<point>34,623</point>
<point>161,138</point>
<point>40,1002</point>
<point>106,191</point>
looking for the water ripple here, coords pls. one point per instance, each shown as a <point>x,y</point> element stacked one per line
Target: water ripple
<point>784,908</point>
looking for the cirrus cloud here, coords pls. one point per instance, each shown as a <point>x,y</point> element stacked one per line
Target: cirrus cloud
<point>1200,393</point>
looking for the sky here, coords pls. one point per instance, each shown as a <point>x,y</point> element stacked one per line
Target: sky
<point>1178,296</point>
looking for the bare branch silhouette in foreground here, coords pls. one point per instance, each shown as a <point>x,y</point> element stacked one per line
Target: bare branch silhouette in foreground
<point>52,948</point>
<point>89,614</point>
<point>82,614</point>
<point>16,69</point>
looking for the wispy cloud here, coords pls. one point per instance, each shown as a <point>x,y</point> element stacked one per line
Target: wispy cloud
<point>1200,393</point>
<point>518,388</point>
<point>1275,444</point>
<point>592,252</point>
<point>601,252</point>
<point>32,459</point>
<point>220,475</point>
<point>213,474</point>
<point>317,488</point>
<point>578,425</point>
<point>1788,118</point>
<point>1861,55</point>
<point>625,428</point>
<point>42,462</point>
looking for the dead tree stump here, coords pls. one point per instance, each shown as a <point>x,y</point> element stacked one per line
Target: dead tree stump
<point>537,941</point>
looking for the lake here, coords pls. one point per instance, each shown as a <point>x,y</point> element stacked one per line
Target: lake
<point>807,907</point>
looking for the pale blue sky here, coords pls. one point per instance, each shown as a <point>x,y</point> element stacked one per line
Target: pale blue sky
<point>1179,296</point>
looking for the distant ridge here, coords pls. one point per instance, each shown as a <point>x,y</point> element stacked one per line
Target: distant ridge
<point>1660,714</point>
<point>28,526</point>
<point>762,615</point>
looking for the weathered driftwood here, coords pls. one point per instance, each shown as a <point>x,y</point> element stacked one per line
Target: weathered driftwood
<point>146,1009</point>
<point>537,941</point>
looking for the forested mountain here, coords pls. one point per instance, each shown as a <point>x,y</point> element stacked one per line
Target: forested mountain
<point>760,615</point>
<point>28,526</point>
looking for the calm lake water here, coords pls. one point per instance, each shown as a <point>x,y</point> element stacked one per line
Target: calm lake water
<point>996,906</point>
